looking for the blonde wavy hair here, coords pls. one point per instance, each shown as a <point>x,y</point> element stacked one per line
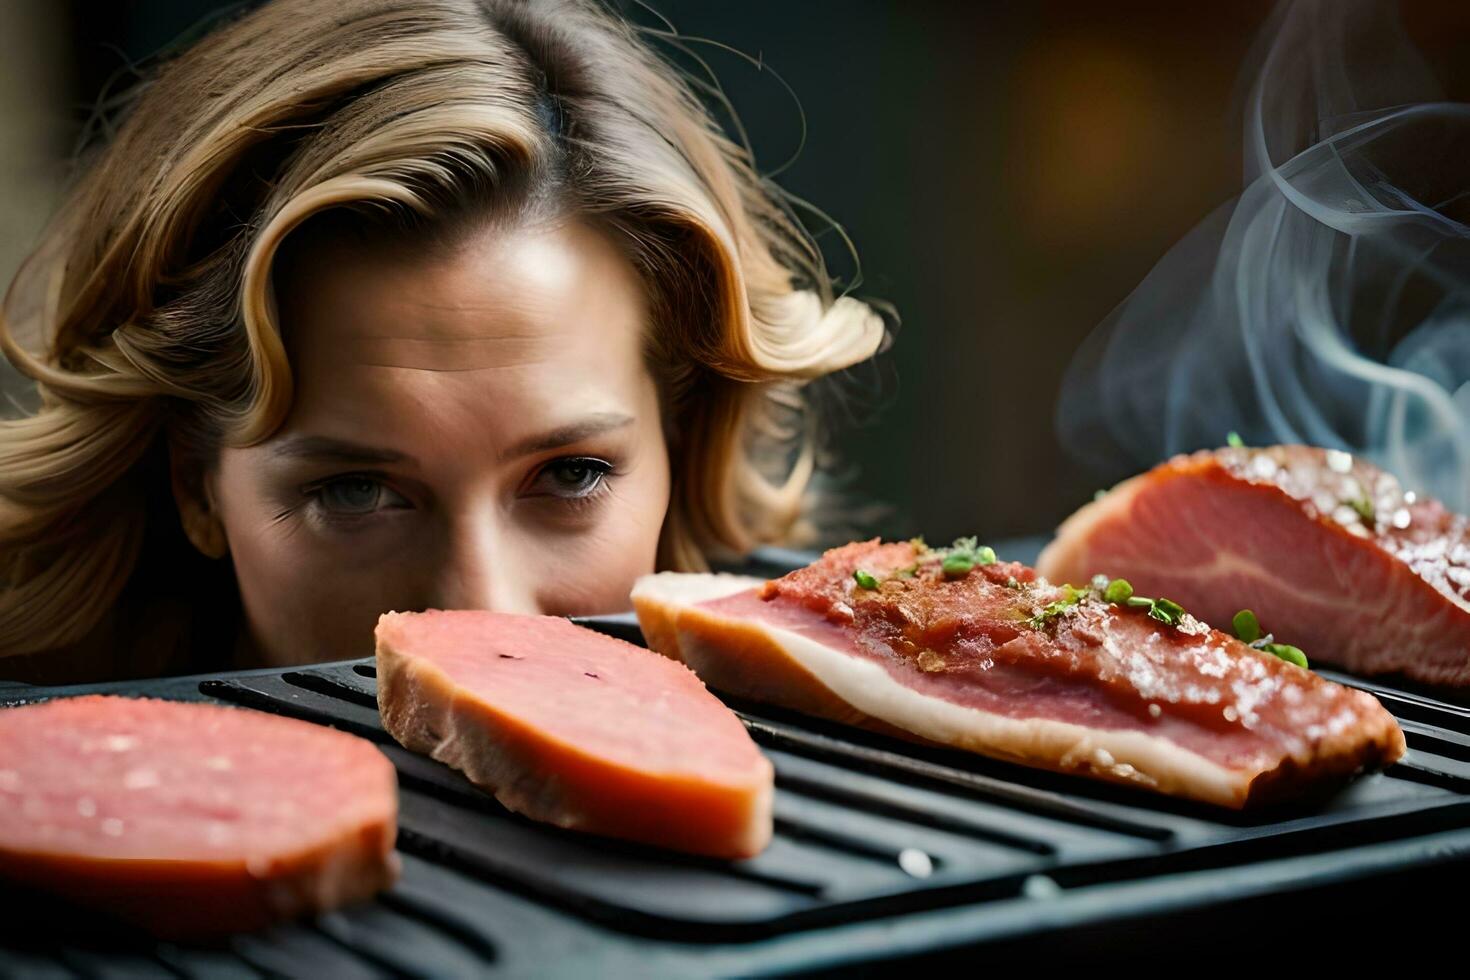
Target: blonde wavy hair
<point>146,316</point>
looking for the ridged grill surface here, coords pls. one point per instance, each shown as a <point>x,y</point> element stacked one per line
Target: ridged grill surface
<point>869,831</point>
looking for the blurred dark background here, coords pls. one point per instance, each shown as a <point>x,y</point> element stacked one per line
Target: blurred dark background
<point>1008,172</point>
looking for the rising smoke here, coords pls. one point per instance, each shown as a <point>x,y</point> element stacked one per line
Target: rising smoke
<point>1329,303</point>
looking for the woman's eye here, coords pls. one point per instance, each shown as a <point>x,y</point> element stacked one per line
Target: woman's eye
<point>356,495</point>
<point>571,478</point>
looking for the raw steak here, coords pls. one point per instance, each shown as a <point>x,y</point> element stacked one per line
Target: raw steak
<point>997,660</point>
<point>1329,551</point>
<point>575,728</point>
<point>192,820</point>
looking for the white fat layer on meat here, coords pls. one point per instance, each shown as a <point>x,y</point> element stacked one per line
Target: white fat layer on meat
<point>1126,755</point>
<point>687,589</point>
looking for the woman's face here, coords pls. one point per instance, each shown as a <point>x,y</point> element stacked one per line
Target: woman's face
<point>470,431</point>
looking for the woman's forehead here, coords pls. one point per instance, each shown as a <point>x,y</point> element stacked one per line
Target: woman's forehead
<point>511,332</point>
<point>498,298</point>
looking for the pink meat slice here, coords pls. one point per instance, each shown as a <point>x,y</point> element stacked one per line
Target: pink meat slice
<point>575,728</point>
<point>1330,552</point>
<point>192,820</point>
<point>975,661</point>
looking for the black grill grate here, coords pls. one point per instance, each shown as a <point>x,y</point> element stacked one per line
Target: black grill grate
<point>870,832</point>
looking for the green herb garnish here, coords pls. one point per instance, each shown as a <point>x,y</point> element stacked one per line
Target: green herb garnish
<point>962,556</point>
<point>1117,591</point>
<point>1248,630</point>
<point>1167,611</point>
<point>954,561</point>
<point>1233,440</point>
<point>1365,509</point>
<point>1070,597</point>
<point>1289,653</point>
<point>1247,627</point>
<point>956,565</point>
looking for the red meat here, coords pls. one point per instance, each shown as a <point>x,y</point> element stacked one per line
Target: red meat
<point>192,820</point>
<point>1330,553</point>
<point>575,728</point>
<point>1001,662</point>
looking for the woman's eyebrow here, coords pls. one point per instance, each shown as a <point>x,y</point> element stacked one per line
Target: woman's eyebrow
<point>336,450</point>
<point>565,435</point>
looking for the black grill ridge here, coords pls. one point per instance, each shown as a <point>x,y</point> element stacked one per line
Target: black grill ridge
<point>860,819</point>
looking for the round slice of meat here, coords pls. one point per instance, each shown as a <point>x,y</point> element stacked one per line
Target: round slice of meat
<point>192,820</point>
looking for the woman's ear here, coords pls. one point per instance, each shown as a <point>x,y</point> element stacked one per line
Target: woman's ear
<point>195,501</point>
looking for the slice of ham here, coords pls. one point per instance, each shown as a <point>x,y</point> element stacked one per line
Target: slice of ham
<point>1330,553</point>
<point>578,729</point>
<point>1098,689</point>
<point>192,820</point>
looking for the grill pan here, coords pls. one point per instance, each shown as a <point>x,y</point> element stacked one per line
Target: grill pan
<point>883,851</point>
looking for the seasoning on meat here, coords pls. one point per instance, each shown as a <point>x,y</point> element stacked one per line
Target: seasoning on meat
<point>1000,661</point>
<point>1331,553</point>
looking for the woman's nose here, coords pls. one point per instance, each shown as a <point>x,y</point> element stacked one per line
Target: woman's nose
<point>480,574</point>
